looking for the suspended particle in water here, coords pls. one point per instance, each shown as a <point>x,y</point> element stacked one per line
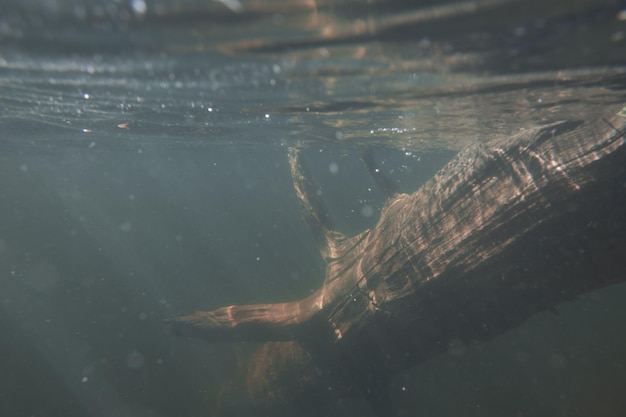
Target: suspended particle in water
<point>135,360</point>
<point>126,227</point>
<point>367,211</point>
<point>139,7</point>
<point>333,168</point>
<point>557,361</point>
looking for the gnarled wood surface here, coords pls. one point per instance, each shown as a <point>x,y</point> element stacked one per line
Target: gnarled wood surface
<point>505,230</point>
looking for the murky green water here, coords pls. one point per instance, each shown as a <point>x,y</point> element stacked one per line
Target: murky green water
<point>143,175</point>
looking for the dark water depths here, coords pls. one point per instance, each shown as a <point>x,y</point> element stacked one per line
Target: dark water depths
<point>143,175</point>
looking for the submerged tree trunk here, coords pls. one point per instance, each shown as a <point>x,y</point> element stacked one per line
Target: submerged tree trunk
<point>507,229</point>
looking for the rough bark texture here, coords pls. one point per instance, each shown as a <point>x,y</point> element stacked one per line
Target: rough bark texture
<point>505,230</point>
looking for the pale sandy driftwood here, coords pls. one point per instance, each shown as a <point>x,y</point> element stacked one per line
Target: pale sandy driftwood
<point>507,229</point>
